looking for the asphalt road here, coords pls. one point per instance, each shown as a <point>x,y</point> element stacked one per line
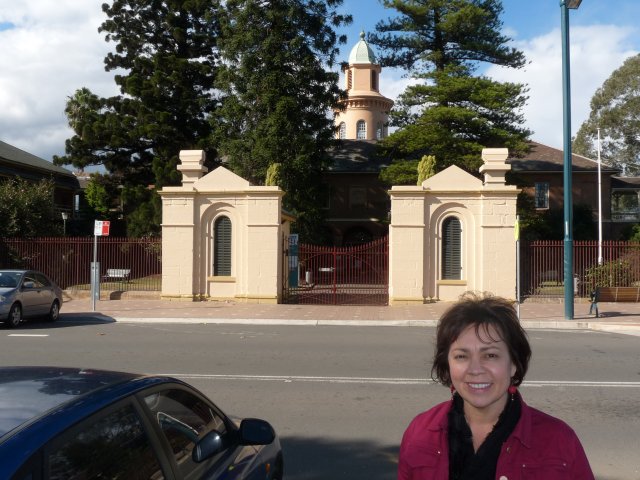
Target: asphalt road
<point>340,397</point>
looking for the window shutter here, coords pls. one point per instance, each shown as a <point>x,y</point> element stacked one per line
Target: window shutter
<point>451,249</point>
<point>222,247</point>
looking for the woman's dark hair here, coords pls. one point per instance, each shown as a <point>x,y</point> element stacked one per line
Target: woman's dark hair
<point>481,311</point>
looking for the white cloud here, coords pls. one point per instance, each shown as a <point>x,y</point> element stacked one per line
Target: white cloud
<point>52,49</point>
<point>596,51</point>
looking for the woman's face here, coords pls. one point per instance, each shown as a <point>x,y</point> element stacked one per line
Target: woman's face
<point>481,370</point>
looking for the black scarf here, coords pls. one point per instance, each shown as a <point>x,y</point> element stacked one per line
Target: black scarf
<point>464,464</point>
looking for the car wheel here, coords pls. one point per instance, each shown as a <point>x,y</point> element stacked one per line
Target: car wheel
<point>278,471</point>
<point>15,316</point>
<point>54,312</point>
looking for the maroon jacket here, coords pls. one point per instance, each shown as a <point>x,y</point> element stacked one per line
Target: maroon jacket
<point>541,447</point>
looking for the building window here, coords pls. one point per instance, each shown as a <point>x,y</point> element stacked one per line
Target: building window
<point>357,196</point>
<point>349,79</point>
<point>222,247</point>
<point>374,80</point>
<point>542,195</point>
<point>343,131</point>
<point>625,206</point>
<point>451,249</point>
<point>379,131</point>
<point>361,129</point>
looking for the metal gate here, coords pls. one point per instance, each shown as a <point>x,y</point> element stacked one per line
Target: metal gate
<point>357,275</point>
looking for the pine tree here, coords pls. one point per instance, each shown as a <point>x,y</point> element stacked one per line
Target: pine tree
<point>615,109</point>
<point>165,61</point>
<point>278,88</point>
<point>451,113</point>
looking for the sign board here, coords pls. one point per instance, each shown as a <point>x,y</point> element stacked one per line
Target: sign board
<point>101,228</point>
<point>293,245</point>
<point>293,260</point>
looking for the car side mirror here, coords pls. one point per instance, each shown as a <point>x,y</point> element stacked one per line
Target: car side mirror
<point>207,446</point>
<point>28,285</point>
<point>256,432</point>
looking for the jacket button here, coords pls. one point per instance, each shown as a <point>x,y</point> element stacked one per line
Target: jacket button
<point>503,478</point>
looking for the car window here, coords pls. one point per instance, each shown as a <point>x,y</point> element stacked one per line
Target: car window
<point>42,280</point>
<point>111,446</point>
<point>184,419</point>
<point>30,277</point>
<point>8,280</point>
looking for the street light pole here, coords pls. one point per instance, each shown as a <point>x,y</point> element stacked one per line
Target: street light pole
<point>567,166</point>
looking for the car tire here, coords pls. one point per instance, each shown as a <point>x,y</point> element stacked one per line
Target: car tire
<point>15,316</point>
<point>278,473</point>
<point>54,311</point>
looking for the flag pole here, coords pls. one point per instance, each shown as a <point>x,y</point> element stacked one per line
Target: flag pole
<point>599,204</point>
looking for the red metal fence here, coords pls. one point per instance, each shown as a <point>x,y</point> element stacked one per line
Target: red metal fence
<point>67,260</point>
<point>356,275</point>
<point>542,266</point>
<point>347,275</point>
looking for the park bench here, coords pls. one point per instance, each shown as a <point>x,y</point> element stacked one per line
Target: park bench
<point>613,294</point>
<point>117,274</point>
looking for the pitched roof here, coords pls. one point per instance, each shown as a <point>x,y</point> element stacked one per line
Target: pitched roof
<point>16,162</point>
<point>356,156</point>
<point>543,158</point>
<point>625,182</point>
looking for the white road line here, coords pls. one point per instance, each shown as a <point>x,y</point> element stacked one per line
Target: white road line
<point>390,381</point>
<point>27,335</point>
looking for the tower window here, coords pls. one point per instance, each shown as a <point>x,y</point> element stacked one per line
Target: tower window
<point>374,80</point>
<point>349,79</point>
<point>379,131</point>
<point>361,129</point>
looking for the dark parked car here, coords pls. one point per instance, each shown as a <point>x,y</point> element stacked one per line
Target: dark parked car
<point>28,294</point>
<point>66,424</point>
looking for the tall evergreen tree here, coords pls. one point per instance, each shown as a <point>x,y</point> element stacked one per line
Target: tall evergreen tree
<point>451,113</point>
<point>165,61</point>
<point>278,89</point>
<point>615,109</point>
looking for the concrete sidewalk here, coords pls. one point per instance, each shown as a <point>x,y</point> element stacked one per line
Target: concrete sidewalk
<point>614,316</point>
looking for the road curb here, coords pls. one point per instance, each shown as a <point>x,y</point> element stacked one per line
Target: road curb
<point>526,324</point>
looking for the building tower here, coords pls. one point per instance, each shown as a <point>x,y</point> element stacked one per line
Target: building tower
<point>366,111</point>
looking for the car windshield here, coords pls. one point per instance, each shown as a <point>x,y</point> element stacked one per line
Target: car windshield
<point>28,392</point>
<point>9,279</point>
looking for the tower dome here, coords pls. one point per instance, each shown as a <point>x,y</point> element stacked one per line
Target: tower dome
<point>361,52</point>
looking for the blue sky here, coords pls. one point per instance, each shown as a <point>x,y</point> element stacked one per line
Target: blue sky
<point>48,49</point>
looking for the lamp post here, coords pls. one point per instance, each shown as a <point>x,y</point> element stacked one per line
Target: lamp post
<point>65,216</point>
<point>565,5</point>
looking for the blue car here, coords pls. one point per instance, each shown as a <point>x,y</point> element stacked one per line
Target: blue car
<point>67,423</point>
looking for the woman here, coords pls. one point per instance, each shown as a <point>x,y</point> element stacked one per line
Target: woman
<point>486,431</point>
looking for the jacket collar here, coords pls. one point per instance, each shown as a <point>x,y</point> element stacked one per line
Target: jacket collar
<point>440,421</point>
<point>522,432</point>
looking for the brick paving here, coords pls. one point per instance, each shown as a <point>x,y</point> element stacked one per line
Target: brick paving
<point>532,314</point>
